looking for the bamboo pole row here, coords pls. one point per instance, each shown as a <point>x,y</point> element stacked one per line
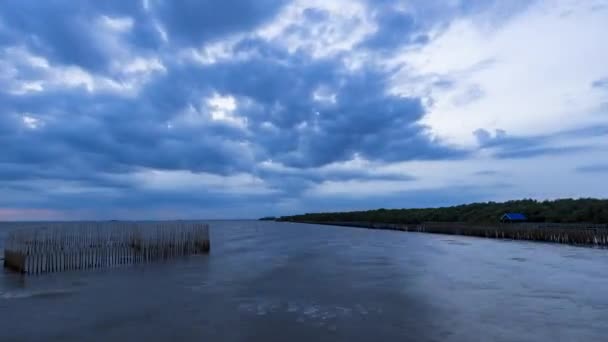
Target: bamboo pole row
<point>593,235</point>
<point>74,246</point>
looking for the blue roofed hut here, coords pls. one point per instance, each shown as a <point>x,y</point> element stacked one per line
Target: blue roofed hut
<point>513,217</point>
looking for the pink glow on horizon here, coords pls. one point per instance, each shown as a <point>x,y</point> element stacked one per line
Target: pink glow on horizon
<point>30,214</point>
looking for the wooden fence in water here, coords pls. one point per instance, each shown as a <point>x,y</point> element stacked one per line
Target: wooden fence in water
<point>73,246</point>
<point>580,234</point>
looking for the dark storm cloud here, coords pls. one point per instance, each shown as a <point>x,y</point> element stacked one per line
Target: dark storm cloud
<point>66,31</point>
<point>193,21</point>
<point>300,111</point>
<point>505,146</point>
<point>398,26</point>
<point>278,88</point>
<point>395,28</point>
<point>600,83</point>
<point>358,116</point>
<point>118,136</point>
<point>529,152</point>
<point>296,180</point>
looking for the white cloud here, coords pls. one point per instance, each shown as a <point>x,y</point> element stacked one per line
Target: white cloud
<point>129,70</point>
<point>186,180</point>
<point>269,126</point>
<point>542,177</point>
<point>28,86</point>
<point>358,187</point>
<point>118,24</point>
<point>143,65</point>
<point>347,24</point>
<point>23,72</point>
<point>357,168</point>
<point>162,32</point>
<point>324,95</point>
<point>223,103</point>
<point>74,77</point>
<point>222,108</point>
<point>212,52</point>
<point>216,108</point>
<point>530,75</point>
<point>217,51</point>
<point>31,122</point>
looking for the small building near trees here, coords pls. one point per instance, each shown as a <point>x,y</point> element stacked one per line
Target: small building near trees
<point>513,217</point>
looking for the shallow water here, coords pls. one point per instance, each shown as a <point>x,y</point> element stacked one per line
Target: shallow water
<point>269,281</point>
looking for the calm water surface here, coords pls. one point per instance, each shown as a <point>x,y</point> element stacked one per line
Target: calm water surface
<point>266,281</point>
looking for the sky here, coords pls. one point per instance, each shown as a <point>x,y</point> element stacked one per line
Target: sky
<point>162,109</point>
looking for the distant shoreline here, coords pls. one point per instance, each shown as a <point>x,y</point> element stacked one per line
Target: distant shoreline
<point>577,234</point>
<point>567,210</point>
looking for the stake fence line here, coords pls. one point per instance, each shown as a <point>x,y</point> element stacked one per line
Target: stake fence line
<point>73,246</point>
<point>592,235</point>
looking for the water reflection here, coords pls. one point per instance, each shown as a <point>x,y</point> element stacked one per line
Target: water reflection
<point>275,282</point>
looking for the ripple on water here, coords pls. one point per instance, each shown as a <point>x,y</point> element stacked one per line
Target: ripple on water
<point>37,294</point>
<point>456,242</point>
<point>306,311</point>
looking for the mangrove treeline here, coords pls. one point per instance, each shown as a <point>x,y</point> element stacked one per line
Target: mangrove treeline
<point>586,210</point>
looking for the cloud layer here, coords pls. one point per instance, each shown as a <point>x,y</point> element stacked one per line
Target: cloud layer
<point>164,109</point>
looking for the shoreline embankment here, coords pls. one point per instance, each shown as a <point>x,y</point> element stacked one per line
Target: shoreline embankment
<point>577,234</point>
